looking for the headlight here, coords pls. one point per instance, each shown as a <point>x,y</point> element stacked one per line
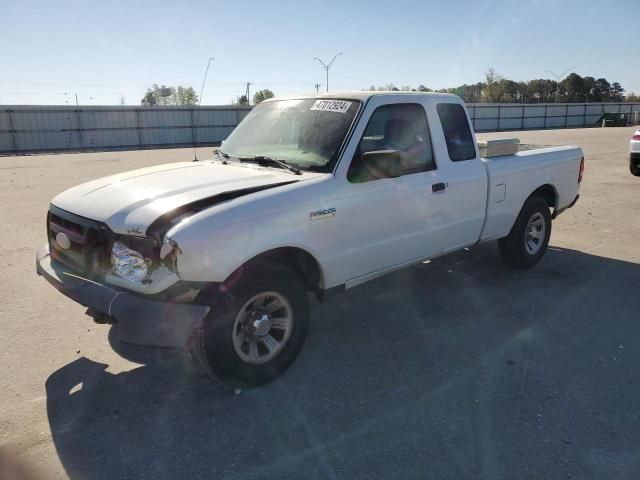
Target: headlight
<point>128,264</point>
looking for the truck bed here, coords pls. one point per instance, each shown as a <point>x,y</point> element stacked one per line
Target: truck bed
<point>512,178</point>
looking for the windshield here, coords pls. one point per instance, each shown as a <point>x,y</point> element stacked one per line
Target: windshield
<point>306,133</point>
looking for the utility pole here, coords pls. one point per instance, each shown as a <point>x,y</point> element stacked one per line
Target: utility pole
<point>558,77</point>
<point>327,66</point>
<point>317,87</point>
<point>247,94</point>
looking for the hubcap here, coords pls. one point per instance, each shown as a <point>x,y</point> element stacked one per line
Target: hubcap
<point>262,327</point>
<point>535,233</point>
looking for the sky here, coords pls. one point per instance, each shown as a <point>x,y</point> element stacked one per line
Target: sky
<point>106,49</point>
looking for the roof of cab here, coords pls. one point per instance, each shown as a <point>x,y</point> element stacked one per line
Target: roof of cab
<point>362,95</point>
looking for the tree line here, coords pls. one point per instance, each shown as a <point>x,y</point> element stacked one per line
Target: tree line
<point>258,97</point>
<point>494,89</point>
<point>163,95</point>
<point>498,89</point>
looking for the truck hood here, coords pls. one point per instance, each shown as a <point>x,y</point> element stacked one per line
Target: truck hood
<point>129,202</point>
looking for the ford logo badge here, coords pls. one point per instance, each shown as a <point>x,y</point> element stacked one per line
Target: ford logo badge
<point>63,241</point>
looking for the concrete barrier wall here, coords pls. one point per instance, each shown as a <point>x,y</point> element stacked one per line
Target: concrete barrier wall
<point>26,129</point>
<point>488,117</point>
<point>30,129</point>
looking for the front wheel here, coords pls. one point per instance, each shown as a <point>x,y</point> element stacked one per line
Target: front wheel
<point>529,237</point>
<point>634,167</point>
<point>256,329</point>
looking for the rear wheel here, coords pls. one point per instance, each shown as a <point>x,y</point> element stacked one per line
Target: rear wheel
<point>634,167</point>
<point>529,237</point>
<point>255,330</point>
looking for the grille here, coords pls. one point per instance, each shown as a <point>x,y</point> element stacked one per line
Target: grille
<point>87,241</point>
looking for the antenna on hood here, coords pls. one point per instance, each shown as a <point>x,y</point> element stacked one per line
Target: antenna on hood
<point>195,136</point>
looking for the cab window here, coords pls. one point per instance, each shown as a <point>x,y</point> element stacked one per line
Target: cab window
<point>400,128</point>
<point>456,132</point>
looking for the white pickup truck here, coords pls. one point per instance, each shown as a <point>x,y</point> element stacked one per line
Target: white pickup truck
<point>307,195</point>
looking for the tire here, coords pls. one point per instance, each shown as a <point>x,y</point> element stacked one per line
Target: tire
<point>520,249</point>
<point>634,167</point>
<point>239,314</point>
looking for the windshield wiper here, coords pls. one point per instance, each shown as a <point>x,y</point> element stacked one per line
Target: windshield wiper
<point>225,156</point>
<point>262,159</point>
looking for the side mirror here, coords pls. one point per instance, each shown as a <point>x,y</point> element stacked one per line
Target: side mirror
<point>381,164</point>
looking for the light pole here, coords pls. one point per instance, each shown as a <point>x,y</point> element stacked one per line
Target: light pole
<point>327,66</point>
<point>195,136</point>
<point>247,94</point>
<point>558,77</point>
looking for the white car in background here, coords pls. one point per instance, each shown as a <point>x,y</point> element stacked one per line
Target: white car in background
<point>634,154</point>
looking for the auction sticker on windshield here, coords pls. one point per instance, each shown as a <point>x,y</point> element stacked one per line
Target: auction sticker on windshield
<point>339,106</point>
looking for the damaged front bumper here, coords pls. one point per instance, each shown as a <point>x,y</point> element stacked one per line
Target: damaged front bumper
<point>140,321</point>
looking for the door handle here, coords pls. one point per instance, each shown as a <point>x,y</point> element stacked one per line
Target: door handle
<point>438,187</point>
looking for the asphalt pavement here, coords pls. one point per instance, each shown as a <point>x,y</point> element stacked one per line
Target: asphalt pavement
<point>460,368</point>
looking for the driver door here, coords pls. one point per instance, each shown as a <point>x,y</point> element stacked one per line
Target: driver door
<point>385,222</point>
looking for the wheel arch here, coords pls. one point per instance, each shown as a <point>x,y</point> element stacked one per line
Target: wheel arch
<point>548,193</point>
<point>297,259</point>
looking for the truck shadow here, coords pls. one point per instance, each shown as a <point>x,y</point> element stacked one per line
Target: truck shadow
<point>460,368</point>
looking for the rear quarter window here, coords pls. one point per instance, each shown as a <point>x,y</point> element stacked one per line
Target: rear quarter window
<point>457,134</point>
